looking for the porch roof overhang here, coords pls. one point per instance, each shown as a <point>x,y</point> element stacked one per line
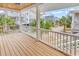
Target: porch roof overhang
<point>75,11</point>
<point>43,6</point>
<point>54,6</point>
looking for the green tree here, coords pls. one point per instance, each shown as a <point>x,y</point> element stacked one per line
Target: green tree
<point>42,23</point>
<point>45,24</point>
<point>48,24</point>
<point>2,20</point>
<point>9,20</point>
<point>33,23</point>
<point>65,21</point>
<point>6,21</point>
<point>68,21</point>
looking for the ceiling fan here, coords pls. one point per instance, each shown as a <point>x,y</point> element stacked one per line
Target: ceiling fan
<point>18,4</point>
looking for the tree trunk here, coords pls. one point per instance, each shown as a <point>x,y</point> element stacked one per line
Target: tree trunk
<point>64,28</point>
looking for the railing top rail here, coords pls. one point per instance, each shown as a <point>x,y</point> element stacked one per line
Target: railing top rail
<point>69,34</point>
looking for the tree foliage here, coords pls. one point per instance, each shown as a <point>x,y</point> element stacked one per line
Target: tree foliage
<point>33,23</point>
<point>48,24</point>
<point>69,21</point>
<point>9,20</point>
<point>45,24</point>
<point>66,21</point>
<point>1,19</point>
<point>6,19</point>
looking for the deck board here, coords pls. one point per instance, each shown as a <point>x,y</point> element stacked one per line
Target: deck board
<point>19,44</point>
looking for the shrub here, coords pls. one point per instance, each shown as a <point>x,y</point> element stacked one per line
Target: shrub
<point>48,24</point>
<point>33,23</point>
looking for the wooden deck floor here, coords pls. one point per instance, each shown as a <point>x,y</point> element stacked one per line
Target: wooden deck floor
<point>19,44</point>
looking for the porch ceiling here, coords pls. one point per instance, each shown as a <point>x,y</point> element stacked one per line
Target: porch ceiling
<point>15,6</point>
<point>43,6</point>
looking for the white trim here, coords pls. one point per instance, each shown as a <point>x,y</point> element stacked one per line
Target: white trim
<point>74,11</point>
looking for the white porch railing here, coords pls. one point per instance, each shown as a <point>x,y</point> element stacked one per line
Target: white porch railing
<point>67,43</point>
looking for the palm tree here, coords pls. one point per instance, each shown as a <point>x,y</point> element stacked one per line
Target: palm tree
<point>62,21</point>
<point>65,21</point>
<point>68,21</point>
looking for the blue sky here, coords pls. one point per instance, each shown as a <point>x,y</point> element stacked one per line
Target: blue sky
<point>58,13</point>
<point>61,12</point>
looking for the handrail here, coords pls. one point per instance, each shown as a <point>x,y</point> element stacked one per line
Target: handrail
<point>60,32</point>
<point>64,42</point>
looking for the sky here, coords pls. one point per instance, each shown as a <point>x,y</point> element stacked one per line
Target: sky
<point>59,13</point>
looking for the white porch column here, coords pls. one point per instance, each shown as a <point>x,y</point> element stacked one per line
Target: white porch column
<point>72,24</point>
<point>20,23</point>
<point>38,22</point>
<point>75,22</point>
